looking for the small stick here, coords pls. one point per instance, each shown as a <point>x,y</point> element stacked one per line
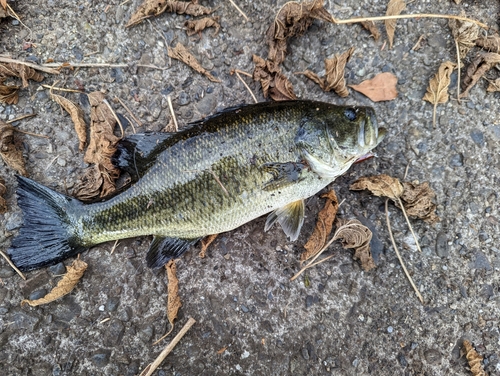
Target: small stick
<point>51,162</point>
<point>62,89</point>
<point>31,65</point>
<point>409,224</point>
<point>151,66</point>
<point>148,371</point>
<point>114,115</point>
<point>245,84</point>
<point>114,246</point>
<point>31,134</point>
<point>243,72</point>
<point>458,73</point>
<point>129,112</point>
<point>21,118</point>
<point>239,10</point>
<point>397,253</point>
<point>12,265</point>
<point>169,100</point>
<point>400,16</point>
<point>125,2</point>
<point>105,320</point>
<point>417,45</point>
<point>84,65</point>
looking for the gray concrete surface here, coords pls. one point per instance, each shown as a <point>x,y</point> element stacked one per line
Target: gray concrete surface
<point>346,322</point>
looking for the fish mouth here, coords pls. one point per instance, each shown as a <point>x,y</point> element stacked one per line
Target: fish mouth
<point>369,133</point>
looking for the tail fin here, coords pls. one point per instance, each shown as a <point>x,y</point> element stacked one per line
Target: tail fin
<point>46,236</point>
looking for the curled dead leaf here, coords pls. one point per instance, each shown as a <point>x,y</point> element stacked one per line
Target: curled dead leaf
<point>379,185</point>
<point>8,93</point>
<point>474,359</point>
<point>372,28</point>
<point>334,74</point>
<point>493,86</point>
<point>11,148</point>
<point>179,52</point>
<point>418,201</point>
<point>3,190</point>
<point>76,114</point>
<point>150,8</point>
<point>437,91</point>
<point>357,236</point>
<point>174,301</point>
<point>21,71</point>
<point>490,43</point>
<point>324,224</point>
<point>483,62</point>
<point>382,87</point>
<point>465,34</point>
<point>205,242</point>
<point>394,8</point>
<point>68,282</point>
<point>88,187</point>
<point>197,26</point>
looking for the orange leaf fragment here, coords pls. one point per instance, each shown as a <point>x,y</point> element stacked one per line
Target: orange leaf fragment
<point>205,242</point>
<point>174,301</point>
<point>394,8</point>
<point>474,359</point>
<point>382,87</point>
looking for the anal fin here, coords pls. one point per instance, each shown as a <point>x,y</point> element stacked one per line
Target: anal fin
<point>163,249</point>
<point>290,217</point>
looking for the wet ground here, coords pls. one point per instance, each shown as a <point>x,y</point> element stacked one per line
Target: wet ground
<point>337,320</point>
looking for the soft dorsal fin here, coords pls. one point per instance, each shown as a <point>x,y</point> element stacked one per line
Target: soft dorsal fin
<point>136,153</point>
<point>290,217</point>
<point>163,249</point>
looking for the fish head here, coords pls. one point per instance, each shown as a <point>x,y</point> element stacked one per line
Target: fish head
<point>337,137</point>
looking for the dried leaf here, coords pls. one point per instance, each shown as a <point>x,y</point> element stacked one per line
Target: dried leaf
<point>479,66</point>
<point>334,74</point>
<point>372,28</point>
<point>324,224</point>
<point>3,3</point>
<point>493,86</point>
<point>156,7</point>
<point>281,89</point>
<point>465,34</point>
<point>379,185</point>
<point>474,360</point>
<point>174,301</point>
<point>64,286</point>
<point>3,190</point>
<point>180,52</point>
<point>11,149</point>
<point>418,202</point>
<point>21,71</point>
<point>197,26</point>
<point>382,87</point>
<point>490,43</point>
<point>355,235</point>
<point>76,114</point>
<point>205,242</point>
<point>273,82</point>
<point>89,185</point>
<point>8,93</point>
<point>394,8</point>
<point>437,91</point>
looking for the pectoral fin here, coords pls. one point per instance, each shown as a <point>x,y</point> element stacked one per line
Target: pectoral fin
<point>283,174</point>
<point>164,249</point>
<point>290,217</point>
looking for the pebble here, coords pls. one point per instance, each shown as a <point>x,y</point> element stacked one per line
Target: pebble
<point>101,358</point>
<point>183,98</point>
<point>6,272</point>
<point>305,353</point>
<point>480,261</point>
<point>58,269</point>
<point>61,162</point>
<point>402,360</point>
<point>266,324</point>
<point>432,356</point>
<point>37,294</point>
<point>390,329</point>
<point>477,136</point>
<point>442,248</point>
<point>244,308</point>
<point>457,160</point>
<point>112,304</point>
<point>115,332</point>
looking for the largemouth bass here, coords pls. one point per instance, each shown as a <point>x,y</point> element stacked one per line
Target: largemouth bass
<point>222,172</point>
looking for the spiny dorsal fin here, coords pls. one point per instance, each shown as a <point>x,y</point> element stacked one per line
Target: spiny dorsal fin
<point>290,217</point>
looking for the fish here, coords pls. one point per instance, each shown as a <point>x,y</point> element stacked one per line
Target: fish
<point>218,174</point>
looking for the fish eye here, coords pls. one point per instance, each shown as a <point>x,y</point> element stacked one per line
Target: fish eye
<point>350,114</point>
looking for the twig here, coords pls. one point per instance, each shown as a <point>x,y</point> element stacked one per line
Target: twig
<point>51,162</point>
<point>400,16</point>
<point>125,2</point>
<point>30,133</point>
<point>116,117</point>
<point>165,335</point>
<point>31,65</point>
<point>397,253</point>
<point>105,320</point>
<point>151,66</point>
<point>244,83</point>
<point>12,265</point>
<point>138,122</point>
<point>458,68</point>
<point>239,10</point>
<point>171,108</point>
<point>409,224</point>
<point>417,45</point>
<point>62,89</point>
<point>21,118</point>
<point>148,371</point>
<point>114,246</point>
<point>84,65</point>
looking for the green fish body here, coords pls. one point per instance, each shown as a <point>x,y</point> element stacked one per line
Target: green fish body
<point>220,173</point>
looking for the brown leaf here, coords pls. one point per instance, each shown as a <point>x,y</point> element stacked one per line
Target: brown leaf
<point>181,53</point>
<point>394,8</point>
<point>174,301</point>
<point>490,43</point>
<point>197,26</point>
<point>156,7</point>
<point>89,185</point>
<point>465,34</point>
<point>474,359</point>
<point>334,74</point>
<point>493,86</point>
<point>437,91</point>
<point>64,286</point>
<point>379,185</point>
<point>76,114</point>
<point>3,3</point>
<point>21,71</point>
<point>418,202</point>
<point>3,190</point>
<point>11,149</point>
<point>355,235</point>
<point>372,28</point>
<point>382,87</point>
<point>273,82</point>
<point>205,242</point>
<point>8,93</point>
<point>281,89</point>
<point>324,224</point>
<point>479,66</point>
